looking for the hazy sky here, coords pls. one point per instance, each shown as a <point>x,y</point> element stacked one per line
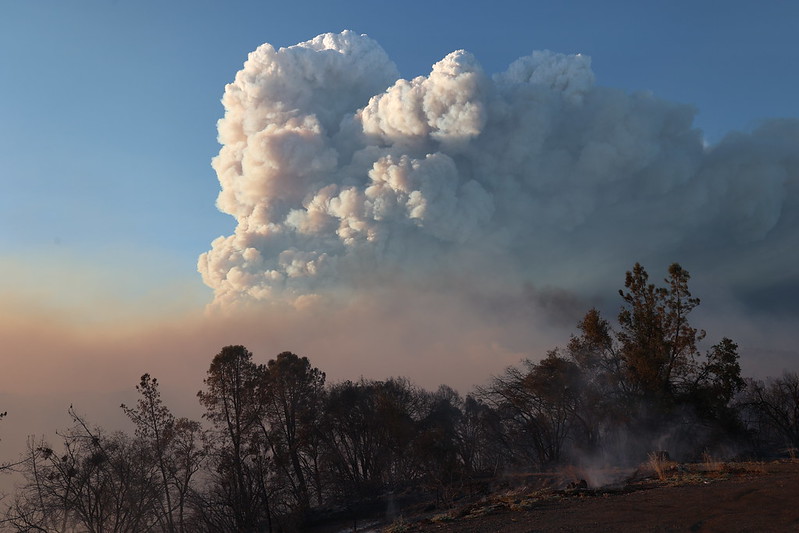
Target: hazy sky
<point>628,152</point>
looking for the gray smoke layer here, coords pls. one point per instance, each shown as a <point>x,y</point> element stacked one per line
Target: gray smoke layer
<point>343,176</point>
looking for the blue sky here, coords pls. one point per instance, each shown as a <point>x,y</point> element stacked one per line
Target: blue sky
<point>108,108</point>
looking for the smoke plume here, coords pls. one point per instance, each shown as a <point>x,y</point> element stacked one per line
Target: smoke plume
<point>344,176</point>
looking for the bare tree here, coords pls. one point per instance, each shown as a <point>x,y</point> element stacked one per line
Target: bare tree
<point>178,449</point>
<point>98,483</point>
<point>437,445</point>
<point>538,406</point>
<point>369,429</point>
<point>774,409</point>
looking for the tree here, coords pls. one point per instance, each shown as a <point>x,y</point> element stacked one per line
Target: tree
<point>658,345</point>
<point>605,393</point>
<point>539,406</point>
<point>177,447</point>
<point>5,465</point>
<point>368,430</point>
<point>480,453</point>
<point>437,444</point>
<point>234,406</point>
<point>293,396</point>
<point>647,372</point>
<point>595,349</point>
<point>717,382</point>
<point>775,409</point>
<point>98,483</point>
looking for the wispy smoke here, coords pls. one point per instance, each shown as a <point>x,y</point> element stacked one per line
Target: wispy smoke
<point>341,174</point>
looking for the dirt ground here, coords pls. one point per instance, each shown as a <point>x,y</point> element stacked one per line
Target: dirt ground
<point>736,497</point>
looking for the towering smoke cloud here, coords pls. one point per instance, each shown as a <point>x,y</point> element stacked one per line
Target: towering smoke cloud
<point>340,173</point>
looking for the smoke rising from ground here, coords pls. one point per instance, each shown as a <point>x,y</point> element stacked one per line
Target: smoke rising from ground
<point>342,177</point>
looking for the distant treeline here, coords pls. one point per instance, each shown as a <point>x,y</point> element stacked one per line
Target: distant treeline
<point>278,446</point>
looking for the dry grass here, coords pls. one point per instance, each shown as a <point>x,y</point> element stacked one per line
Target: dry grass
<point>711,464</point>
<point>754,467</point>
<point>442,518</point>
<point>660,465</point>
<point>524,498</point>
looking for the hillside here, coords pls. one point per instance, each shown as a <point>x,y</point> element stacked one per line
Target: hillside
<point>697,497</point>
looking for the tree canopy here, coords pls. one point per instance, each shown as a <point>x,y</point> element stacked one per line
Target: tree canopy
<point>278,445</point>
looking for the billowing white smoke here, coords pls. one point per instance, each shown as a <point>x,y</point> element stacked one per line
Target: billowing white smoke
<point>340,173</point>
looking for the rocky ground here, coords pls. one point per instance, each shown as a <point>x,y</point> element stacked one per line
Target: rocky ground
<point>709,496</point>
